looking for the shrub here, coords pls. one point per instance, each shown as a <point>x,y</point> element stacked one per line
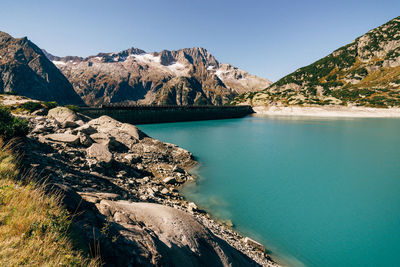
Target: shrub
<point>31,106</point>
<point>11,93</point>
<point>11,126</point>
<point>50,104</point>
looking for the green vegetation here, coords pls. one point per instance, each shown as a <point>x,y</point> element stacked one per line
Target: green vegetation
<point>31,106</point>
<point>50,104</point>
<point>73,107</point>
<point>11,126</point>
<point>11,93</point>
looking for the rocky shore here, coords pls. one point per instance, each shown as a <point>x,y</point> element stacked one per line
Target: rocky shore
<point>122,188</point>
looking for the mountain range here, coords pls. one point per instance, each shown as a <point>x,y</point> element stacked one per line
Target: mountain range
<point>190,76</point>
<point>366,72</point>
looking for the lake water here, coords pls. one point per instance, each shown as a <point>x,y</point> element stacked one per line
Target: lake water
<point>315,191</point>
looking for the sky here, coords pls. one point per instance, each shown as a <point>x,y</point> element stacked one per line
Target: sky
<point>264,37</point>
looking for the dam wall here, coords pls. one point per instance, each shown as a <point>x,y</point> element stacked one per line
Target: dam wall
<point>136,114</point>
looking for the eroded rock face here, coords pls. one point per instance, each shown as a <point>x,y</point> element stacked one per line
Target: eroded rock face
<point>184,241</point>
<point>26,70</point>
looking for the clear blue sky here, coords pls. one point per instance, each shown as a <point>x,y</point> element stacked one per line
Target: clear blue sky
<point>267,38</point>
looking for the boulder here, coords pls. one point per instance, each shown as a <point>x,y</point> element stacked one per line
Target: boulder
<point>132,158</point>
<point>99,152</point>
<point>254,244</point>
<point>192,207</point>
<point>64,138</point>
<point>85,140</point>
<point>62,114</point>
<point>100,138</point>
<point>169,180</point>
<point>124,133</point>
<point>86,129</point>
<point>180,240</point>
<point>69,124</point>
<point>164,191</point>
<point>40,128</point>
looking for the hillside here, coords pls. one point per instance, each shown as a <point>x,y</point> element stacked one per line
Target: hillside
<point>26,70</point>
<point>190,76</point>
<point>365,72</point>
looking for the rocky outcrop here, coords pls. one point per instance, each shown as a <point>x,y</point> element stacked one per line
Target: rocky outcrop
<point>190,76</point>
<point>366,72</point>
<point>122,186</point>
<point>26,70</point>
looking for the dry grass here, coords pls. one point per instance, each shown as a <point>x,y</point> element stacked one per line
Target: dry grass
<point>34,228</point>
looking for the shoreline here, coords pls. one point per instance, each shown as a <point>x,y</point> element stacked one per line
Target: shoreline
<point>96,183</point>
<point>328,111</point>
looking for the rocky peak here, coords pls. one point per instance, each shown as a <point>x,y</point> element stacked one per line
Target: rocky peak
<point>25,69</point>
<point>178,77</point>
<point>4,38</point>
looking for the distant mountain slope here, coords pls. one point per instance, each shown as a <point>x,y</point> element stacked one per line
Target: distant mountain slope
<point>365,72</point>
<point>26,70</point>
<point>190,76</point>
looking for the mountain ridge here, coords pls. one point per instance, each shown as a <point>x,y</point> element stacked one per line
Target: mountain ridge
<point>189,76</point>
<point>365,72</point>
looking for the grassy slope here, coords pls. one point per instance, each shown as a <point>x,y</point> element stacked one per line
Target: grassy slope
<point>34,228</point>
<point>357,73</point>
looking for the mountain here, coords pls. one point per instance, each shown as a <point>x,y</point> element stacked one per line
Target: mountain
<point>26,70</point>
<point>365,72</point>
<point>190,76</point>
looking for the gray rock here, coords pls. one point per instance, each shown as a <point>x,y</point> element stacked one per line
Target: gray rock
<point>69,124</point>
<point>189,242</point>
<point>64,138</point>
<point>132,158</point>
<point>41,129</point>
<point>99,152</point>
<point>62,114</point>
<point>100,138</point>
<point>254,244</point>
<point>169,180</point>
<point>86,129</point>
<point>164,191</point>
<point>178,169</point>
<point>192,207</point>
<point>85,140</point>
<point>124,133</point>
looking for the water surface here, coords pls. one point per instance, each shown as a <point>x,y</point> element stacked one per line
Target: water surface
<point>316,192</point>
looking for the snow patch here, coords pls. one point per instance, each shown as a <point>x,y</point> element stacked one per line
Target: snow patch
<point>147,58</point>
<point>55,62</point>
<point>176,66</point>
<point>210,67</point>
<point>219,73</point>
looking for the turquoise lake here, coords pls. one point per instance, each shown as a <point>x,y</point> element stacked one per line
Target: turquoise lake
<point>314,191</point>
